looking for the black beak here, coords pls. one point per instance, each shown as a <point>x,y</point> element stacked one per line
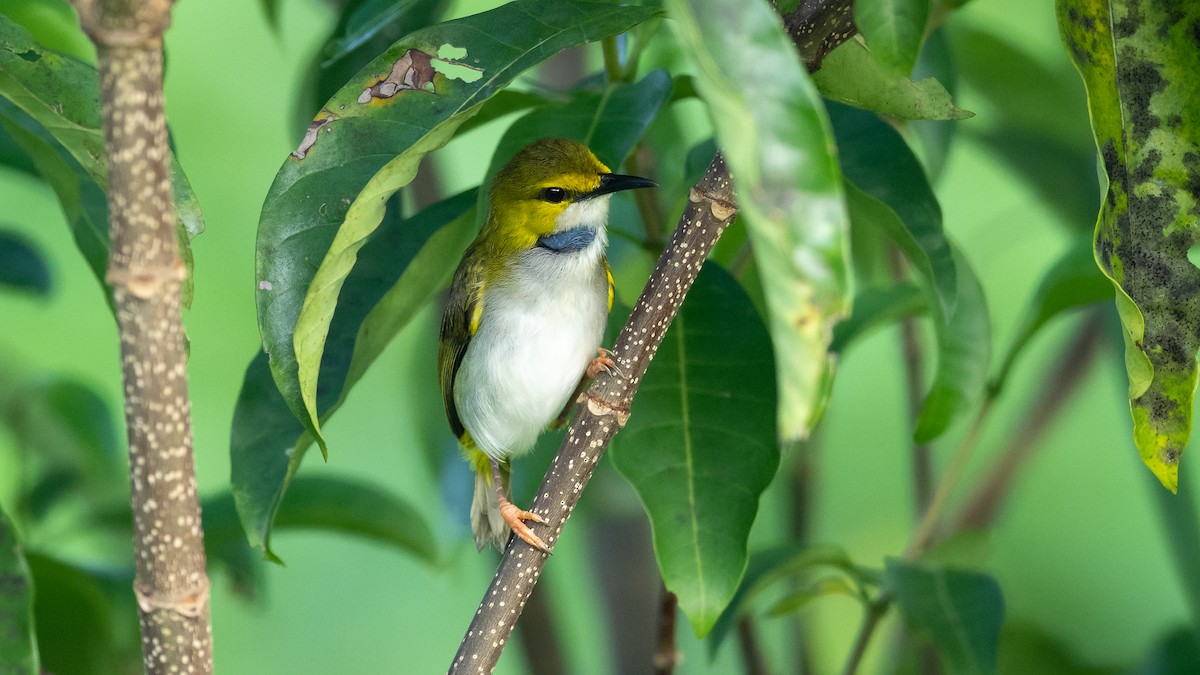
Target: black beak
<point>615,182</point>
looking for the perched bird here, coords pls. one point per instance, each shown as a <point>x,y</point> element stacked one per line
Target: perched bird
<point>525,317</point>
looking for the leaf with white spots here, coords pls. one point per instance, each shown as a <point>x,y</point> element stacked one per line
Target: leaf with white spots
<point>700,447</point>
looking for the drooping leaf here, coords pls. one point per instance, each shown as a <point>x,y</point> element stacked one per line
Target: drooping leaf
<point>877,161</point>
<point>851,74</point>
<point>1072,281</point>
<point>399,269</point>
<point>1138,62</point>
<point>21,265</point>
<point>874,308</point>
<point>609,122</point>
<point>18,643</point>
<point>896,197</point>
<point>50,108</point>
<point>329,196</point>
<point>962,611</point>
<point>770,567</point>
<point>963,333</point>
<point>700,447</point>
<point>938,61</point>
<point>893,29</point>
<point>772,129</point>
<point>332,504</point>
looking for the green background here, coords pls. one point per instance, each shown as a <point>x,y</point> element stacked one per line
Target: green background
<point>1078,550</point>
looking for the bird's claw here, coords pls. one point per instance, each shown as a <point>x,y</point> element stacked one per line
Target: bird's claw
<point>603,363</point>
<point>515,518</point>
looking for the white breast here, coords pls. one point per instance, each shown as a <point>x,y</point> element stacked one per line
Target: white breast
<point>541,326</point>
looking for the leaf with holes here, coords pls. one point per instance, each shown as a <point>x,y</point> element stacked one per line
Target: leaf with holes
<point>1138,63</point>
<point>700,446</point>
<point>365,144</point>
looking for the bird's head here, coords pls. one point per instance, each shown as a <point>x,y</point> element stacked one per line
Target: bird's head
<point>552,185</point>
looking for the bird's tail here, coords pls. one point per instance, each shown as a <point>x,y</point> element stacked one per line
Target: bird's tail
<point>486,523</point>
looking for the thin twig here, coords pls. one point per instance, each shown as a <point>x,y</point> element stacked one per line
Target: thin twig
<point>752,654</point>
<point>914,372</point>
<point>666,657</point>
<point>146,273</point>
<point>1073,362</point>
<point>871,616</point>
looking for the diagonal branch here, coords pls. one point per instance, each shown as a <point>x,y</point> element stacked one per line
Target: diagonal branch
<point>146,274</point>
<point>817,28</point>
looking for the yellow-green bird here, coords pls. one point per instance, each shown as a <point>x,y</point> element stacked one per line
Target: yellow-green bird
<point>525,317</point>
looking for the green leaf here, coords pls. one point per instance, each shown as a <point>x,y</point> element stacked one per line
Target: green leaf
<point>371,18</point>
<point>772,129</point>
<point>964,353</point>
<point>962,611</point>
<point>21,265</point>
<point>18,642</point>
<point>332,504</point>
<point>504,103</point>
<point>330,194</point>
<point>50,107</point>
<point>851,74</point>
<point>699,447</point>
<point>1138,65</point>
<point>354,507</point>
<point>875,308</point>
<point>86,619</point>
<point>963,333</point>
<point>609,122</point>
<point>768,568</point>
<point>399,270</point>
<point>893,29</point>
<point>877,161</point>
<point>896,198</point>
<point>797,600</point>
<point>1072,281</point>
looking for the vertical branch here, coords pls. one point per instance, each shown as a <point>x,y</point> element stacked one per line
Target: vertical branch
<point>914,367</point>
<point>146,273</point>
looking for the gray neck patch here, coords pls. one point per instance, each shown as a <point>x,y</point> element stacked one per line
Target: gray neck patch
<point>573,240</point>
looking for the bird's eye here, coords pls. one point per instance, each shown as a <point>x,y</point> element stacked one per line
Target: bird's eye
<point>554,195</point>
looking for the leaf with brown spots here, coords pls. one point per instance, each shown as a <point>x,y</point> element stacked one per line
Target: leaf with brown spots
<point>1139,63</point>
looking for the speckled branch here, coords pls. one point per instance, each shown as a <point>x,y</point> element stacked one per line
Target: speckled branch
<point>146,274</point>
<point>816,28</point>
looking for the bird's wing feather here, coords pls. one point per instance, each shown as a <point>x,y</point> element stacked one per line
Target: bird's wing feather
<point>464,309</point>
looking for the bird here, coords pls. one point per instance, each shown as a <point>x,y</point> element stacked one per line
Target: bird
<point>520,336</point>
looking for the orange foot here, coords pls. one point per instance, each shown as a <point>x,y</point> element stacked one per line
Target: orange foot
<point>515,518</point>
<point>603,363</point>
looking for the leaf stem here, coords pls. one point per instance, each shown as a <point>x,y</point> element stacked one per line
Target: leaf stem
<point>927,528</point>
<point>872,615</point>
<point>612,59</point>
